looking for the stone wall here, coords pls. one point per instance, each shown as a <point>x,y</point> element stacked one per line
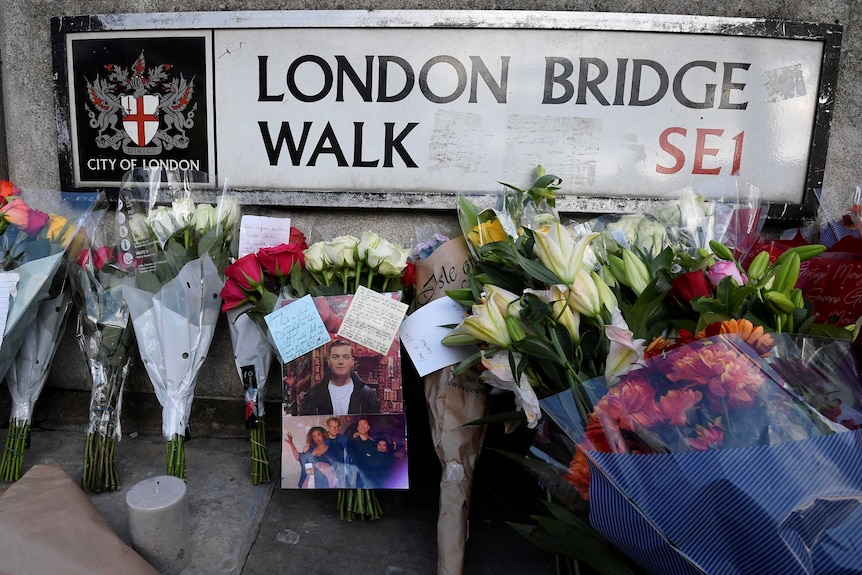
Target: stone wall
<point>29,131</point>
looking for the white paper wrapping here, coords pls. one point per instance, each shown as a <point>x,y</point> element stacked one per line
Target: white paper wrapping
<point>35,279</point>
<point>174,328</point>
<point>251,348</point>
<point>29,371</point>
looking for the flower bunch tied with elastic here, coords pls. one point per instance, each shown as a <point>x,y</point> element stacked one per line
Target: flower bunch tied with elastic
<point>255,284</point>
<point>183,249</point>
<point>35,246</point>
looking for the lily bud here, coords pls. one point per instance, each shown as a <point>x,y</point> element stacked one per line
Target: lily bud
<point>637,274</point>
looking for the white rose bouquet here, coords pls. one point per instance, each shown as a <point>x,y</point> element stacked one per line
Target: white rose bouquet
<point>174,296</point>
<point>340,266</point>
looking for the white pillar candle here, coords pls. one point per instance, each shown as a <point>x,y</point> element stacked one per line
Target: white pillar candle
<point>159,522</point>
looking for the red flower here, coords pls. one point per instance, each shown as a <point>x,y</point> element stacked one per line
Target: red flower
<point>700,366</point>
<point>408,278</point>
<point>739,383</point>
<point>232,295</point>
<point>707,437</point>
<point>246,272</point>
<point>298,238</point>
<point>278,260</point>
<point>7,189</point>
<point>579,474</point>
<point>631,402</point>
<point>103,256</point>
<point>689,286</point>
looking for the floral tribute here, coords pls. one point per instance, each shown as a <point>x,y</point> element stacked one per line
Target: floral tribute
<point>106,338</point>
<point>255,284</point>
<point>650,343</point>
<point>338,267</point>
<point>181,249</point>
<point>35,248</point>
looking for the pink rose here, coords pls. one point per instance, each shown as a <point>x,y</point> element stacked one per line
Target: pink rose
<point>720,270</point>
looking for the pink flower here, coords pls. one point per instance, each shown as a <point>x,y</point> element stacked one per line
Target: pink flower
<point>16,212</point>
<point>676,404</point>
<point>707,437</point>
<point>720,270</point>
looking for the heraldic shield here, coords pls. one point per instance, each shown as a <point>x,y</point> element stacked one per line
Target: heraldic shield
<point>139,117</point>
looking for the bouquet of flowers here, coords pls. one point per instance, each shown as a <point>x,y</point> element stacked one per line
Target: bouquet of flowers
<point>34,247</point>
<point>454,401</point>
<point>106,339</point>
<point>554,307</point>
<point>340,266</point>
<point>173,298</point>
<point>693,436</point>
<point>254,286</point>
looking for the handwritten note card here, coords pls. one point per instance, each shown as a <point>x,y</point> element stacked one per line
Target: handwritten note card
<point>297,328</point>
<point>372,320</point>
<point>422,331</point>
<point>257,232</point>
<point>8,287</point>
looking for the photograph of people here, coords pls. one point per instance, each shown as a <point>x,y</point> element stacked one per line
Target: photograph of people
<point>317,462</point>
<point>345,451</point>
<point>337,443</point>
<point>341,391</point>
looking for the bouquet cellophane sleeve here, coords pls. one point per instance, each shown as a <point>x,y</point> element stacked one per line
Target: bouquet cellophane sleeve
<point>453,401</point>
<point>49,526</point>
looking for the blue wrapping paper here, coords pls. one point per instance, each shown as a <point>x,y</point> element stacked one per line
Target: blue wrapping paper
<point>784,509</point>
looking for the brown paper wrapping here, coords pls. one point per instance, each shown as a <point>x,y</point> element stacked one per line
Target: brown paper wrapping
<point>453,401</point>
<point>49,526</point>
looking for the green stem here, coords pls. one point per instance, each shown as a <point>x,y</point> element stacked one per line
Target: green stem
<point>12,463</point>
<point>259,458</point>
<point>176,456</point>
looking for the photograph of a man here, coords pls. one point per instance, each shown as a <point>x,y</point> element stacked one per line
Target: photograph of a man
<point>341,391</point>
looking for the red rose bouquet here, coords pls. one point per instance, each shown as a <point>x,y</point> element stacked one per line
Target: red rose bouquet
<point>254,286</point>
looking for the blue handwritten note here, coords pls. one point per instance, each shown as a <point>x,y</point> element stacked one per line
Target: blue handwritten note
<point>297,329</point>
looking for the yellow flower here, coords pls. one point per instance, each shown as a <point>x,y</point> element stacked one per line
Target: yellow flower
<point>59,230</point>
<point>487,233</point>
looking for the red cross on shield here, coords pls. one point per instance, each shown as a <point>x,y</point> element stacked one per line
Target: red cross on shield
<point>140,121</point>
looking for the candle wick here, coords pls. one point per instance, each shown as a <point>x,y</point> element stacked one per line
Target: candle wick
<point>157,486</point>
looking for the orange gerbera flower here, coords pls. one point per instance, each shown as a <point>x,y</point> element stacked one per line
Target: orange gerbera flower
<point>676,404</point>
<point>755,336</point>
<point>579,474</point>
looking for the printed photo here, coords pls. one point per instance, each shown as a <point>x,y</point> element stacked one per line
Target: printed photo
<point>346,451</point>
<point>343,377</point>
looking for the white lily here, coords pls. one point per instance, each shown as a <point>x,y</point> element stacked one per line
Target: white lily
<point>625,352</point>
<point>559,252</point>
<point>498,374</point>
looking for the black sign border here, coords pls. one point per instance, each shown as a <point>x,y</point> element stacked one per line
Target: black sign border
<point>830,35</point>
